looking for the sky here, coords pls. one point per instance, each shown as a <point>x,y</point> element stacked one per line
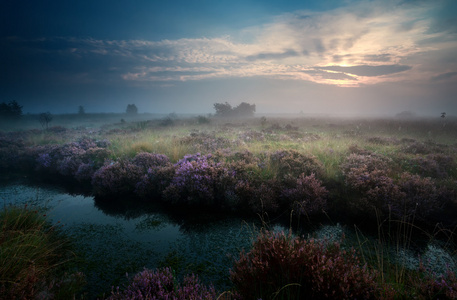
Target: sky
<point>182,56</point>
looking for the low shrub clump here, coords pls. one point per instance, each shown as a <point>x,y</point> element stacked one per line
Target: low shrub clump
<point>116,179</point>
<point>291,164</point>
<point>199,180</point>
<point>280,266</point>
<point>162,284</point>
<point>307,197</point>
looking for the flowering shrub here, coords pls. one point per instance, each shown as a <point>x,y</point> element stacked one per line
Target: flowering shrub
<point>374,189</point>
<point>116,179</point>
<point>432,286</point>
<point>308,196</point>
<point>159,174</point>
<point>433,165</point>
<point>198,180</point>
<point>206,142</point>
<point>292,163</point>
<point>258,196</point>
<point>9,152</point>
<point>147,160</point>
<point>423,148</point>
<point>412,195</point>
<point>293,268</point>
<point>422,197</point>
<point>161,284</point>
<point>367,162</point>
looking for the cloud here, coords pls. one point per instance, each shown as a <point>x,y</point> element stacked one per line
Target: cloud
<point>367,70</point>
<point>444,76</point>
<point>272,55</point>
<point>361,43</point>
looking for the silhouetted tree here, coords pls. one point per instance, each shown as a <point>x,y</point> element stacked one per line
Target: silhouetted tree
<point>81,110</point>
<point>242,110</point>
<point>131,109</point>
<point>223,109</point>
<point>45,119</point>
<point>10,111</point>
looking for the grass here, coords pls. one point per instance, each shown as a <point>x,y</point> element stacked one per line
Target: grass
<point>34,257</point>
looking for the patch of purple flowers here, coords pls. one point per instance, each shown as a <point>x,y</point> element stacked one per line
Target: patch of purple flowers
<point>161,284</point>
<point>308,196</point>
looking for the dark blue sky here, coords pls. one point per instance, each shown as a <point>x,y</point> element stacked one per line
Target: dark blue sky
<point>182,56</point>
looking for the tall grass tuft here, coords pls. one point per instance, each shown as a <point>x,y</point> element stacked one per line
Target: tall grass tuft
<point>33,258</point>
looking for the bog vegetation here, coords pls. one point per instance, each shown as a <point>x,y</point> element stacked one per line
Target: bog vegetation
<point>384,175</point>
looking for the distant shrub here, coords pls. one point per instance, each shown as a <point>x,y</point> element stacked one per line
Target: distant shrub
<point>357,150</point>
<point>286,267</point>
<point>423,148</point>
<point>368,162</point>
<point>435,165</point>
<point>161,284</point>
<point>383,140</point>
<point>204,142</point>
<point>203,120</point>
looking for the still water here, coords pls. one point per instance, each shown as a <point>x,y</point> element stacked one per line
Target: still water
<point>116,240</point>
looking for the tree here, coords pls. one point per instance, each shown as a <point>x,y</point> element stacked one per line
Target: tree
<point>223,109</point>
<point>242,110</point>
<point>131,109</point>
<point>45,119</point>
<point>81,110</point>
<point>10,111</point>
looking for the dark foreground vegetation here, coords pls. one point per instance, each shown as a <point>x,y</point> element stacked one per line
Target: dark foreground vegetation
<point>391,175</point>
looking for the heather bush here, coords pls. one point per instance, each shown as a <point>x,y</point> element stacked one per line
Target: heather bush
<point>383,140</point>
<point>432,286</point>
<point>367,162</point>
<point>161,284</point>
<point>116,179</point>
<point>257,196</point>
<point>199,180</point>
<point>158,176</point>
<point>291,163</point>
<point>307,197</point>
<point>147,160</point>
<point>421,197</point>
<point>281,266</point>
<point>374,190</point>
<point>205,142</point>
<point>433,165</point>
<point>423,148</point>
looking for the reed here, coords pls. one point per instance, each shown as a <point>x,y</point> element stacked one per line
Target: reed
<point>33,257</point>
